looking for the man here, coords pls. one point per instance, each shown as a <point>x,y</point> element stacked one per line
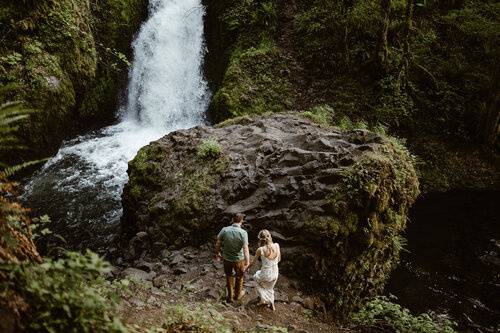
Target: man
<point>232,245</point>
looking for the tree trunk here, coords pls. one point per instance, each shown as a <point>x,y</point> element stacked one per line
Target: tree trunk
<point>407,32</point>
<point>490,127</point>
<point>386,21</point>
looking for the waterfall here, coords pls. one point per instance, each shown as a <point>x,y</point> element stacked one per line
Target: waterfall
<point>80,188</point>
<point>166,88</point>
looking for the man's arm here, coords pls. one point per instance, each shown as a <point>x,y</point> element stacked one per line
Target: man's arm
<point>218,244</point>
<point>246,253</point>
<point>217,249</point>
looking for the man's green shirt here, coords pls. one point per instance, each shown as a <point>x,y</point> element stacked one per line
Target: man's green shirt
<point>233,238</point>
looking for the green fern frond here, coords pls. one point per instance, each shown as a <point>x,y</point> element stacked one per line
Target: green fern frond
<point>8,129</point>
<point>11,120</point>
<point>13,109</point>
<point>11,113</point>
<point>12,170</point>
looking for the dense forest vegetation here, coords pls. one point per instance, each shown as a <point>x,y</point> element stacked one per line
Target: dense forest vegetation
<point>426,70</point>
<point>422,74</point>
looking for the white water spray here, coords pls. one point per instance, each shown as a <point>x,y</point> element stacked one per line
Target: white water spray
<point>166,92</point>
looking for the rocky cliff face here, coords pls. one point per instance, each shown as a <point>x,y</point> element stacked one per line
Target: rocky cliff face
<point>66,60</point>
<point>336,201</point>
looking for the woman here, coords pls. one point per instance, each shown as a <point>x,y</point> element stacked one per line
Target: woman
<point>266,277</point>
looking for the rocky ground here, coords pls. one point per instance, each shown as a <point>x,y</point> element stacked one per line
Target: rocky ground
<point>191,278</point>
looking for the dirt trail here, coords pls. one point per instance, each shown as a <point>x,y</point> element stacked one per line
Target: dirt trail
<point>191,277</point>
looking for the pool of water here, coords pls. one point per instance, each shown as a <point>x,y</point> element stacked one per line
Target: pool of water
<point>453,260</point>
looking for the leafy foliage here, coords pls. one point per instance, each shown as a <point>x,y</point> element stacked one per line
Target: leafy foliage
<point>385,316</point>
<point>65,295</point>
<point>439,72</point>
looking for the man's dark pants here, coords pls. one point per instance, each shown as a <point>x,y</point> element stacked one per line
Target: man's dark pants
<point>234,269</point>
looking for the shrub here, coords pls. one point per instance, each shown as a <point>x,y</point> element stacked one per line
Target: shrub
<point>64,295</point>
<point>209,148</point>
<point>386,315</point>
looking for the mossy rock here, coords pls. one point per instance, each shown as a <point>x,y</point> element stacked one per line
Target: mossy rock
<point>257,81</point>
<point>66,60</point>
<point>335,200</point>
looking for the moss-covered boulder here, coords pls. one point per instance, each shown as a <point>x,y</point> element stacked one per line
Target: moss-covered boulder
<point>336,201</point>
<point>67,60</point>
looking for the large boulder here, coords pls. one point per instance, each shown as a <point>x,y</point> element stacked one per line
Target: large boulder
<point>336,201</point>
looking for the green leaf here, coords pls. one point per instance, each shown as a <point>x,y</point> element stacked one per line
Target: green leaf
<point>45,231</point>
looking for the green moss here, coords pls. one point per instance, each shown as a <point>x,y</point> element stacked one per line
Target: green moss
<point>241,120</point>
<point>174,216</point>
<point>256,82</point>
<point>191,208</point>
<point>101,96</point>
<point>143,170</point>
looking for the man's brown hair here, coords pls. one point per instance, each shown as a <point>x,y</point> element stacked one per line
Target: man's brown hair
<point>238,218</point>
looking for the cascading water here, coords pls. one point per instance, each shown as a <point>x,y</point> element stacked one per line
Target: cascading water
<point>80,187</point>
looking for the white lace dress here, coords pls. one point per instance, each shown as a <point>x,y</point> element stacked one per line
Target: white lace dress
<point>267,276</point>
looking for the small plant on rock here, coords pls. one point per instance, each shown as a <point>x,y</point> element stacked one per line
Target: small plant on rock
<point>209,148</point>
<point>321,115</point>
<point>387,316</point>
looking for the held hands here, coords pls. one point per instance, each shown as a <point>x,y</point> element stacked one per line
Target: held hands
<point>246,266</point>
<point>217,257</point>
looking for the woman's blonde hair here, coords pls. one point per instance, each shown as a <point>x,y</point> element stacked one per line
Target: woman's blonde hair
<point>265,239</point>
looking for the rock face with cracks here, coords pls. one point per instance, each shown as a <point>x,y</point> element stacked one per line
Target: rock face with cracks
<point>335,201</point>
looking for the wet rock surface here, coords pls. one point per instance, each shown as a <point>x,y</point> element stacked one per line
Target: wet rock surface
<point>336,201</point>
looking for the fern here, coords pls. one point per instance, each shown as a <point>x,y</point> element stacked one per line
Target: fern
<point>11,114</point>
<point>12,170</point>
